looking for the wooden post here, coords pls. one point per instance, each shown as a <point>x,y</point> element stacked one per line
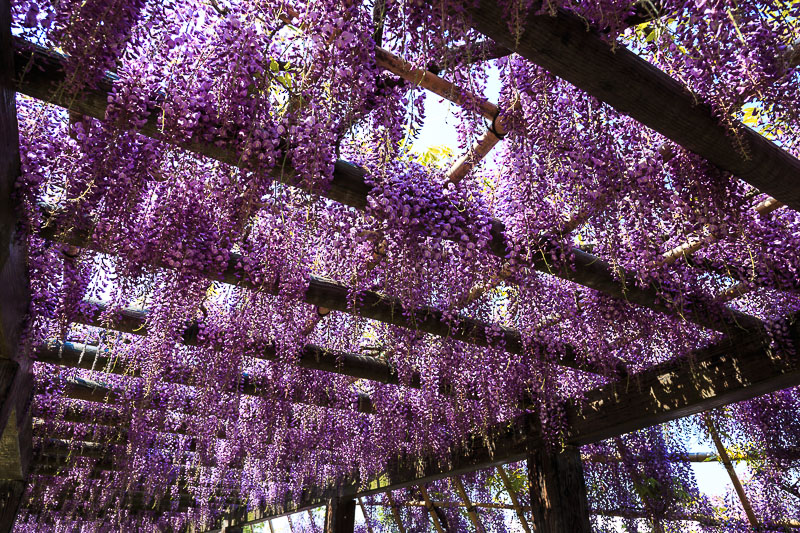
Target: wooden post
<point>558,491</point>
<point>15,376</point>
<point>340,516</point>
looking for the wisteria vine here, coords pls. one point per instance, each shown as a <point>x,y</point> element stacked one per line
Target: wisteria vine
<point>203,197</point>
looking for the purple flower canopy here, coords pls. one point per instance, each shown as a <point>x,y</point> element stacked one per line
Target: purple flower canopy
<point>241,203</point>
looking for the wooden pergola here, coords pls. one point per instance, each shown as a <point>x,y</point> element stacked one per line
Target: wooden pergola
<point>740,367</point>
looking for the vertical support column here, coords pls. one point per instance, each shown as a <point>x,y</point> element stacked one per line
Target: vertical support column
<point>15,376</point>
<point>558,491</point>
<point>340,516</point>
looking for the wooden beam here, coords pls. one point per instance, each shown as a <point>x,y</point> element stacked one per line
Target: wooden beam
<point>437,524</point>
<point>340,515</point>
<point>109,416</point>
<point>729,371</point>
<point>15,376</point>
<point>726,461</point>
<point>78,355</point>
<point>328,294</point>
<point>558,491</point>
<point>83,389</point>
<point>40,74</point>
<point>437,503</point>
<point>638,481</point>
<point>613,74</point>
<point>472,513</point>
<point>366,517</point>
<point>131,320</point>
<point>501,471</point>
<point>430,81</point>
<point>398,519</point>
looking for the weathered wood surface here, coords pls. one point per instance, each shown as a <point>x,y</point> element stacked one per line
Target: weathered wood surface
<point>563,45</point>
<point>340,515</point>
<point>14,292</point>
<point>430,81</point>
<point>730,371</point>
<point>71,354</point>
<point>39,73</point>
<point>11,493</point>
<point>15,376</point>
<point>558,491</point>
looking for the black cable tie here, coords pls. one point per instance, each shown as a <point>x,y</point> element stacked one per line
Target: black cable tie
<point>493,127</point>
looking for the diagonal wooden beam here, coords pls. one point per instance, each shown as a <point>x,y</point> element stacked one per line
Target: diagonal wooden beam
<point>501,471</point>
<point>472,512</point>
<point>637,480</point>
<point>729,371</point>
<point>398,519</point>
<point>563,45</point>
<point>430,81</point>
<point>366,516</point>
<point>437,524</point>
<point>40,74</point>
<point>726,461</point>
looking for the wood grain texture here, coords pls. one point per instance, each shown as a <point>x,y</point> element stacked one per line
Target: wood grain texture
<point>735,369</point>
<point>563,45</point>
<point>340,515</point>
<point>14,289</point>
<point>430,81</point>
<point>15,377</point>
<point>558,491</point>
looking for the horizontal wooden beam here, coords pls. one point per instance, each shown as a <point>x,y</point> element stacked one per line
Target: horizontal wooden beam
<point>564,45</point>
<point>72,354</point>
<point>134,321</point>
<point>329,294</point>
<point>730,371</point>
<point>40,74</point>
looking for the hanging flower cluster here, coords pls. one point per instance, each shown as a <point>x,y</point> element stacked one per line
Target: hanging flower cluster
<point>247,205</point>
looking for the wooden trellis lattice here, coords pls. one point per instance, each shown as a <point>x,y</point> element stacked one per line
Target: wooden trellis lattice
<point>739,367</point>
